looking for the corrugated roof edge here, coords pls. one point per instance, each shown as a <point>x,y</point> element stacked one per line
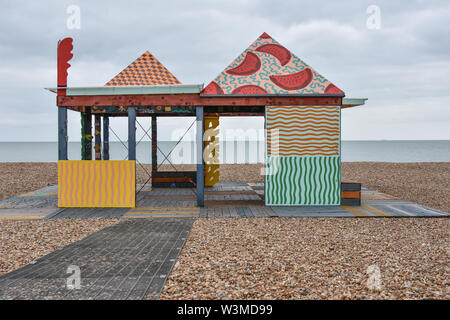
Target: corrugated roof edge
<point>131,90</point>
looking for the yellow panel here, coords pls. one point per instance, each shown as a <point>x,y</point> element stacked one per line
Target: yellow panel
<point>96,183</point>
<point>212,174</point>
<point>211,151</point>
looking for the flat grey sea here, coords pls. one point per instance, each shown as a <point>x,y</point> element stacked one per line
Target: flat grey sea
<point>237,151</point>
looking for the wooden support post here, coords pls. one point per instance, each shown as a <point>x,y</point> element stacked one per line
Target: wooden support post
<point>98,137</point>
<point>105,138</point>
<point>86,134</point>
<point>62,133</point>
<point>154,144</point>
<point>132,133</point>
<point>200,166</point>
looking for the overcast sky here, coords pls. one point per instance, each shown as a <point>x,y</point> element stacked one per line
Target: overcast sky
<point>403,67</point>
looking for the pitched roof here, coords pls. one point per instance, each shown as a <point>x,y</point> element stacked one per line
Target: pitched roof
<point>144,71</point>
<point>266,67</point>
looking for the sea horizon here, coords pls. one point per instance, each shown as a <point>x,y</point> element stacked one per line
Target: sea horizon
<point>242,140</point>
<point>239,151</point>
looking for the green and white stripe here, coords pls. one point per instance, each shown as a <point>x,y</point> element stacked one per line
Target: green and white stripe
<point>293,180</point>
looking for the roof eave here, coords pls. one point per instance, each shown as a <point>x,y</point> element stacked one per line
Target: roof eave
<point>353,102</point>
<point>273,95</point>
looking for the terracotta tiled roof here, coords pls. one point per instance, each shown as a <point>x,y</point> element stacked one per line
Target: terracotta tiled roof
<point>144,71</point>
<point>266,67</point>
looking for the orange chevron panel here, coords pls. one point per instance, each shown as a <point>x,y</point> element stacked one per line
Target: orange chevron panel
<point>144,71</point>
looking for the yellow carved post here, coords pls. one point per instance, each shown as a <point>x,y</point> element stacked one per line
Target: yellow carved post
<point>211,151</point>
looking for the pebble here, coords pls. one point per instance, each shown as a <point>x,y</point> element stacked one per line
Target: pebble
<point>286,260</point>
<point>427,183</point>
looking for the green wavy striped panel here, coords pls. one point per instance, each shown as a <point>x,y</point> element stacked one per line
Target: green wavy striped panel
<point>294,180</point>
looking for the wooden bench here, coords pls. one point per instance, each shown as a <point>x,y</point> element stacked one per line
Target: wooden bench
<point>174,179</point>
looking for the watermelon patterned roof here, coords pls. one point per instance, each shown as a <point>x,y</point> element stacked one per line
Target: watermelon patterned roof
<point>144,71</point>
<point>266,67</point>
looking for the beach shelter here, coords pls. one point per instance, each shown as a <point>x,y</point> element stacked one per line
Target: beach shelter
<point>302,141</point>
<point>302,111</point>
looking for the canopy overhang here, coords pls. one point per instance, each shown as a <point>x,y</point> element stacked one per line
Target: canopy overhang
<point>187,95</point>
<point>353,102</point>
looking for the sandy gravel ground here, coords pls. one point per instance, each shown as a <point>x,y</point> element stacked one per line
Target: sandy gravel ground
<point>424,183</point>
<point>22,177</point>
<point>22,242</point>
<point>305,258</point>
<point>427,183</point>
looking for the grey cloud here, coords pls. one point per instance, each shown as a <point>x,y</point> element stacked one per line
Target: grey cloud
<point>406,61</point>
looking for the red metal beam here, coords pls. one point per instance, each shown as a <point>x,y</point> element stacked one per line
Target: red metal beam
<point>235,114</point>
<point>192,100</point>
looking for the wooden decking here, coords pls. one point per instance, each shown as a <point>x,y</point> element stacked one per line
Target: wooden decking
<point>224,200</point>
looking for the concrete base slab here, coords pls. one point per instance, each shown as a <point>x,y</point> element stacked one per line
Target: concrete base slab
<point>25,214</point>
